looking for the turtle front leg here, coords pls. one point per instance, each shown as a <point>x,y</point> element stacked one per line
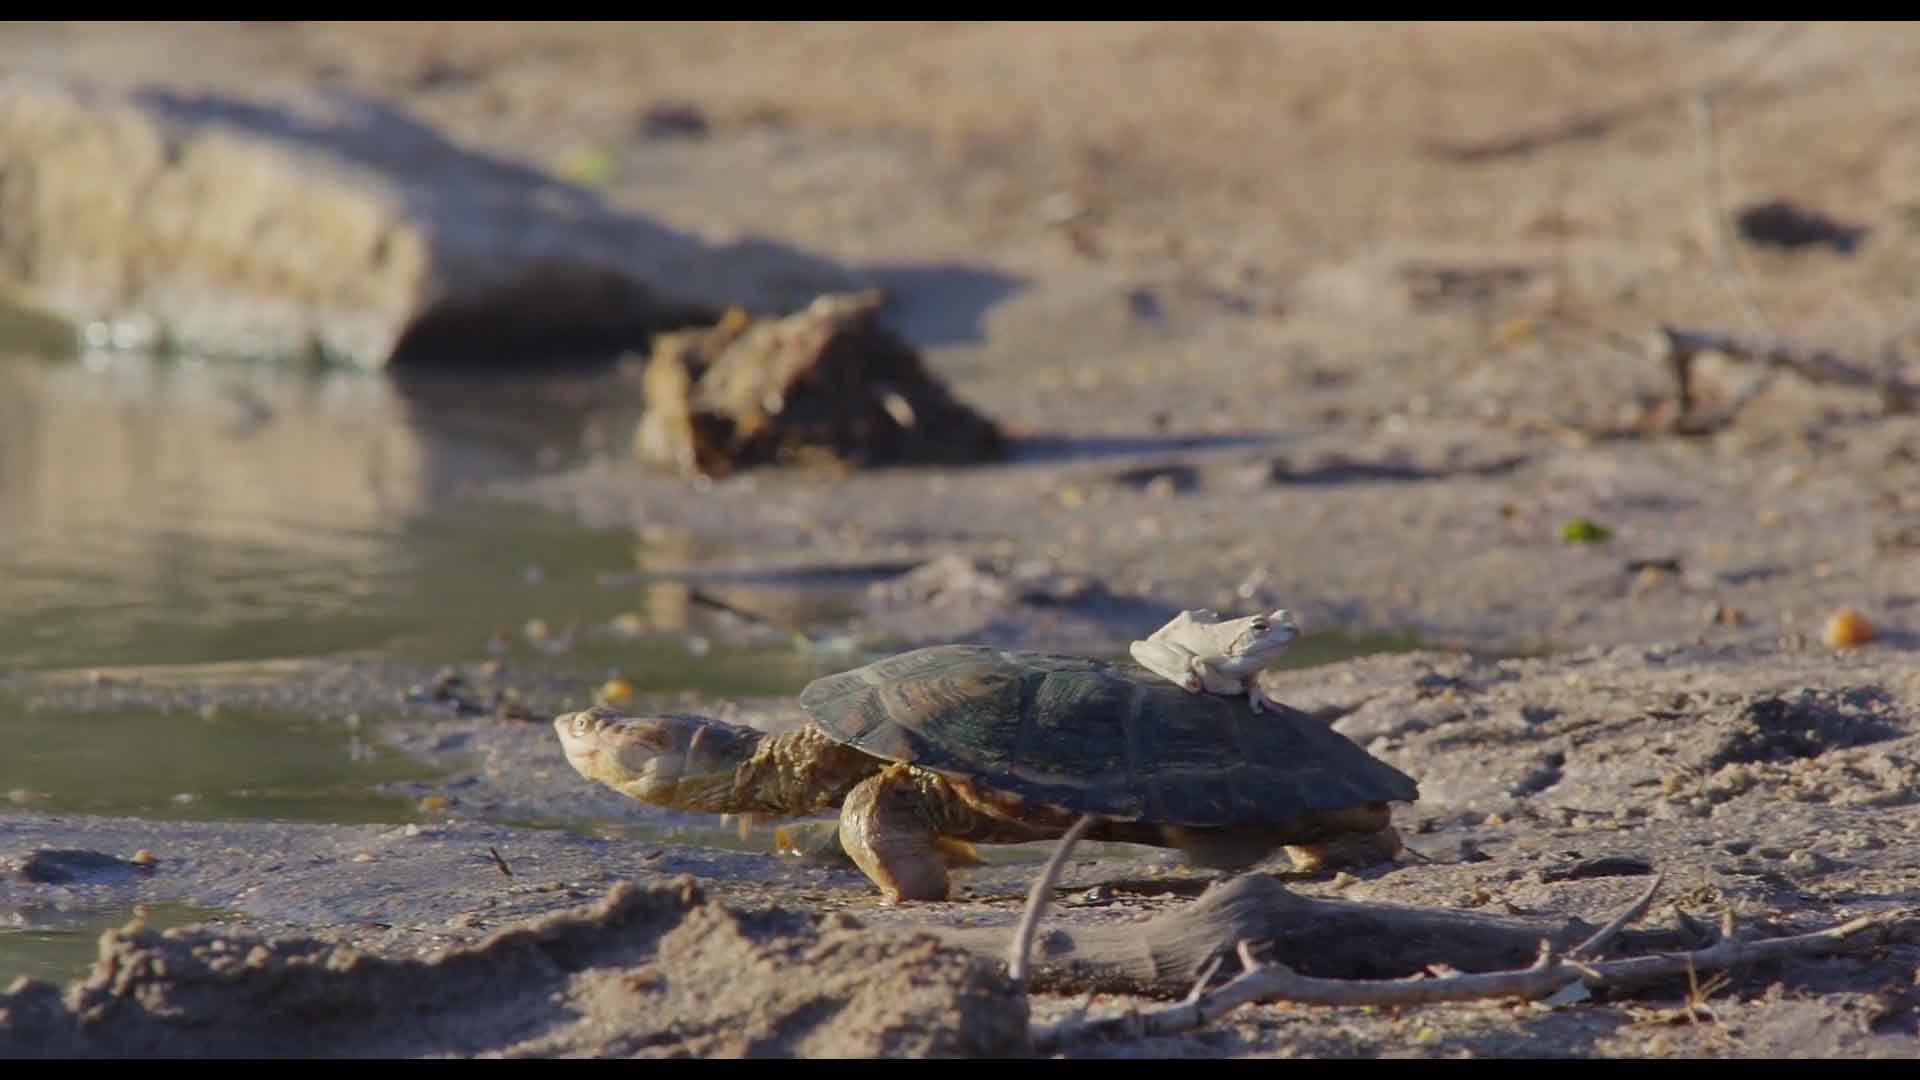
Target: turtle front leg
<point>883,828</point>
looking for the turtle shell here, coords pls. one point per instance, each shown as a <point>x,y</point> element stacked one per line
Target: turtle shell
<point>1099,738</point>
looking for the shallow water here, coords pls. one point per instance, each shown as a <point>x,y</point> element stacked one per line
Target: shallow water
<point>59,944</point>
<point>157,512</point>
<point>162,514</point>
<point>202,765</point>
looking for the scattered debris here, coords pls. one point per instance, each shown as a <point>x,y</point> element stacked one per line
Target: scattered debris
<point>673,120</point>
<point>1582,531</point>
<point>827,385</point>
<point>1431,287</point>
<point>1780,223</point>
<point>1606,866</point>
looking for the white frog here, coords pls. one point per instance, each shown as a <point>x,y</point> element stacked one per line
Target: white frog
<point>1202,652</point>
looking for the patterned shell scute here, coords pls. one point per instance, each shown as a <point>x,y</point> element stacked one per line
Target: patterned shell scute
<point>1099,738</point>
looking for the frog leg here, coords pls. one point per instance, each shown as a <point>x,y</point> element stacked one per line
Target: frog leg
<point>1258,699</point>
<point>1168,660</point>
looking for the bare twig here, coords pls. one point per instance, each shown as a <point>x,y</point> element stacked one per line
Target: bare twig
<point>1819,366</point>
<point>1590,948</point>
<point>1206,975</point>
<point>1548,975</point>
<point>1593,123</point>
<point>1018,954</point>
<point>1728,269</point>
<point>1734,278</point>
<point>500,862</point>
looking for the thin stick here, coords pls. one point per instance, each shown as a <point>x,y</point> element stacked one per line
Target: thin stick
<point>1818,366</point>
<point>1206,975</point>
<point>1728,270</point>
<point>1548,975</point>
<point>1590,948</point>
<point>1017,962</point>
<point>500,862</point>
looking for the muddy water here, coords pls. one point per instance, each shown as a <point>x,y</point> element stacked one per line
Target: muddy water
<point>210,764</point>
<point>160,512</point>
<point>56,944</point>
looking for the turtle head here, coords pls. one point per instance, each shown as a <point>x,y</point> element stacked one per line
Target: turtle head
<point>674,760</point>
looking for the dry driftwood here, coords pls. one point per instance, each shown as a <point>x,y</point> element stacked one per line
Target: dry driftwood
<point>1327,938</point>
<point>1552,972</point>
<point>1548,975</point>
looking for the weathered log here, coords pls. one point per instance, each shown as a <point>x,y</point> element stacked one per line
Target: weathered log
<point>1334,939</point>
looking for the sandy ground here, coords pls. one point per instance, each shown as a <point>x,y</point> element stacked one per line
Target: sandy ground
<point>1349,319</point>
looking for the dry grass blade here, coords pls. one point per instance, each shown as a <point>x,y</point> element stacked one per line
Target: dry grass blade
<point>1590,948</point>
<point>1018,953</point>
<point>1206,976</point>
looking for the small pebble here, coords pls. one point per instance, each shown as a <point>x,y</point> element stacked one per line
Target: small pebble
<point>614,691</point>
<point>434,804</point>
<point>143,857</point>
<point>1847,629</point>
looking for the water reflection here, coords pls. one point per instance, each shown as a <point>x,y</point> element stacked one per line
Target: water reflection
<point>172,511</point>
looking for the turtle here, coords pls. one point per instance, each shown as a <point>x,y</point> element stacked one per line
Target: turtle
<point>958,744</point>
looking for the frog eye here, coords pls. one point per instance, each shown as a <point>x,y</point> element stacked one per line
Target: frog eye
<point>1259,622</point>
<point>580,722</point>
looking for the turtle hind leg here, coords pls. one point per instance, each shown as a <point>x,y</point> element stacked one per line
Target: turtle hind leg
<point>884,828</point>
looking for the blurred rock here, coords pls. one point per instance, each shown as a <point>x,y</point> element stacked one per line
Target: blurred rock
<point>331,226</point>
<point>827,385</point>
